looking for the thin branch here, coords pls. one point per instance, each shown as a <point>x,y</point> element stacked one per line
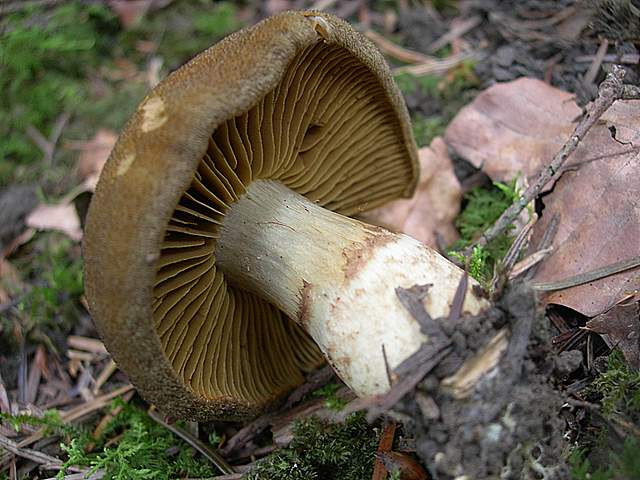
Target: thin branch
<point>610,90</point>
<point>590,276</point>
<point>28,453</point>
<point>208,452</point>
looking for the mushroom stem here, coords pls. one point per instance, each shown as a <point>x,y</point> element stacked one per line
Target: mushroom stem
<point>336,277</point>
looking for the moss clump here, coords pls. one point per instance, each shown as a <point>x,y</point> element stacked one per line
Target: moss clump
<point>619,386</point>
<point>76,59</point>
<point>144,450</point>
<point>45,56</point>
<point>331,398</point>
<point>604,457</point>
<point>323,451</point>
<point>482,207</point>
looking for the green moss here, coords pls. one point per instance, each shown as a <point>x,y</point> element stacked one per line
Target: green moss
<point>69,59</point>
<point>601,456</point>
<point>323,451</point>
<point>623,465</point>
<point>331,399</point>
<point>144,450</point>
<point>50,420</point>
<point>45,56</point>
<point>483,206</point>
<point>56,271</point>
<point>619,386</point>
<point>181,30</point>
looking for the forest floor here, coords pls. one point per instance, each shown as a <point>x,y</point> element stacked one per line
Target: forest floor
<point>72,72</point>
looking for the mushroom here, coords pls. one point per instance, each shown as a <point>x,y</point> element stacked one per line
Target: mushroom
<point>221,263</point>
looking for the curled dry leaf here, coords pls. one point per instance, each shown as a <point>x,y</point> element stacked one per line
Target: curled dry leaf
<point>620,328</point>
<point>519,127</point>
<point>63,218</point>
<point>427,216</point>
<point>403,463</point>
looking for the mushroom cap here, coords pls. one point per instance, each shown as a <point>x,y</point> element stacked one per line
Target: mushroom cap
<point>301,98</point>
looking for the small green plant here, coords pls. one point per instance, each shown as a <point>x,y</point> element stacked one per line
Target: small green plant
<point>323,451</point>
<point>144,450</point>
<point>331,399</point>
<point>483,206</point>
<point>619,386</point>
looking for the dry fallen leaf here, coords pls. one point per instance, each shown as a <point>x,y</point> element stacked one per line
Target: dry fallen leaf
<point>62,217</point>
<point>427,216</point>
<point>130,12</point>
<point>519,127</point>
<point>514,127</point>
<point>94,155</point>
<point>620,328</point>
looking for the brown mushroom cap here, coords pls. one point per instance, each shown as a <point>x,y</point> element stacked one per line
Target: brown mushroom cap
<point>301,98</point>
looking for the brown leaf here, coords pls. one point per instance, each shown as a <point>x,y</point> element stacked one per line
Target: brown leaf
<point>429,214</point>
<point>385,445</point>
<point>130,12</point>
<point>94,154</point>
<point>62,217</point>
<point>518,127</point>
<point>513,127</point>
<point>408,467</point>
<point>599,215</point>
<point>620,328</point>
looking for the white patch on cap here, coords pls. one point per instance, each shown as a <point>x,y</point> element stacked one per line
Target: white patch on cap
<point>320,25</point>
<point>153,114</point>
<point>125,163</point>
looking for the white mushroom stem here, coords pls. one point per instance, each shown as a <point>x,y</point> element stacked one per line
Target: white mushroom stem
<point>336,277</point>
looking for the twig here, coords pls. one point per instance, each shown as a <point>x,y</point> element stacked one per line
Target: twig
<point>594,68</point>
<point>396,51</point>
<point>610,90</point>
<point>455,32</point>
<point>630,427</point>
<point>508,261</point>
<point>72,415</point>
<point>208,452</point>
<point>48,145</point>
<point>28,453</point>
<point>436,66</point>
<point>590,276</point>
<point>458,299</point>
<point>546,242</point>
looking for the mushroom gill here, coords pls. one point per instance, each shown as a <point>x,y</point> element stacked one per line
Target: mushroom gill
<point>327,131</point>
